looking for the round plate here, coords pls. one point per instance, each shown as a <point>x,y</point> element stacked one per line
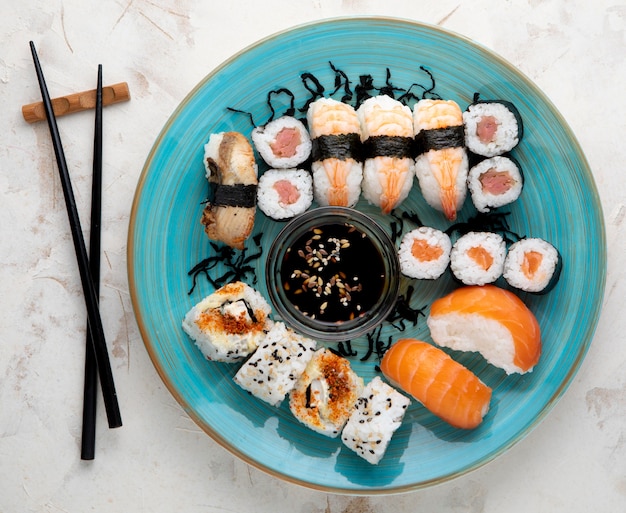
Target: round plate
<point>559,203</point>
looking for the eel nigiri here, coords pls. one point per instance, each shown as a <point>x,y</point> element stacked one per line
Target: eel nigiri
<point>442,165</point>
<point>230,165</point>
<point>490,320</point>
<point>387,134</point>
<point>444,386</point>
<point>336,147</point>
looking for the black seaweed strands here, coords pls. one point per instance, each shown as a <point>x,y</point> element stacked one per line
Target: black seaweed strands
<point>495,222</point>
<point>364,89</point>
<point>237,264</point>
<point>404,313</point>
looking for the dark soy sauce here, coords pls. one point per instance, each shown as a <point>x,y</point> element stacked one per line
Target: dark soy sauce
<point>333,273</point>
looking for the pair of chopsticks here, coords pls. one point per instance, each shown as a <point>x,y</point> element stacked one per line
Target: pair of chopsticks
<point>97,358</point>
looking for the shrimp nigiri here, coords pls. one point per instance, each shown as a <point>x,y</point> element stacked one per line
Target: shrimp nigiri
<point>336,139</point>
<point>442,166</point>
<point>387,134</point>
<point>444,386</point>
<point>490,320</point>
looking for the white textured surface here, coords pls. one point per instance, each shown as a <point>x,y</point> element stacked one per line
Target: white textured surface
<point>160,461</point>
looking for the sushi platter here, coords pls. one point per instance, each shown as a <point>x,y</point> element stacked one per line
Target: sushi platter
<point>170,222</point>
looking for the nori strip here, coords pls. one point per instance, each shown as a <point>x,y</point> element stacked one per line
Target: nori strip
<point>440,138</point>
<point>340,146</point>
<point>277,92</point>
<point>389,89</point>
<point>341,79</point>
<point>388,146</point>
<point>314,87</point>
<point>362,90</point>
<point>237,195</point>
<point>237,265</point>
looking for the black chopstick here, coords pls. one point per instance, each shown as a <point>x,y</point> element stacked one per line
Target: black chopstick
<point>91,299</point>
<point>90,390</point>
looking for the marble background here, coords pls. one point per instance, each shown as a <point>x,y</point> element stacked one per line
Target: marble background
<point>160,461</point>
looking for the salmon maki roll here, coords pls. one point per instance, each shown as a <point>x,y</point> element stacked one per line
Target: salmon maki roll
<point>387,135</point>
<point>444,386</point>
<point>442,164</point>
<point>336,152</point>
<point>489,320</point>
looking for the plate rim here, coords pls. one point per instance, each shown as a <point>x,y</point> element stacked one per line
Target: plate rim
<point>141,322</point>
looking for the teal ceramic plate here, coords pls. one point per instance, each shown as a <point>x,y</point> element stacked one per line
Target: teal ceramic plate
<point>559,203</point>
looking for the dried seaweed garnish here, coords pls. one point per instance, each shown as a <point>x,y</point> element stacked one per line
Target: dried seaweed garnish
<point>389,89</point>
<point>363,88</point>
<point>249,114</point>
<point>486,222</point>
<point>236,263</point>
<point>346,350</point>
<point>403,312</point>
<point>341,79</point>
<point>281,92</point>
<point>397,225</point>
<point>427,92</point>
<point>313,86</point>
<point>375,345</point>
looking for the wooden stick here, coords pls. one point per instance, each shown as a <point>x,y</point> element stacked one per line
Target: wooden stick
<point>90,389</point>
<point>77,102</point>
<point>91,299</point>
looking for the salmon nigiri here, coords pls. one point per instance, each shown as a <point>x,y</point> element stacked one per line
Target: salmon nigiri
<point>444,386</point>
<point>490,320</point>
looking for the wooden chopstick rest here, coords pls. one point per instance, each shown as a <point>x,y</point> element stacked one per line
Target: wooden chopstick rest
<point>77,102</point>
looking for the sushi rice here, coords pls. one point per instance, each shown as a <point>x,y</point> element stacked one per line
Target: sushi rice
<point>506,128</point>
<point>532,265</point>
<point>494,182</point>
<point>477,258</point>
<point>283,143</point>
<point>229,324</point>
<point>284,193</point>
<point>424,253</point>
<point>271,372</point>
<point>376,417</point>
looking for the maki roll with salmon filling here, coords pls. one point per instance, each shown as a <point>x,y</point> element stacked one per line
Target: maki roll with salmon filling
<point>492,127</point>
<point>477,258</point>
<point>495,182</point>
<point>387,135</point>
<point>442,163</point>
<point>424,253</point>
<point>336,152</point>
<point>532,265</point>
<point>282,143</point>
<point>284,193</point>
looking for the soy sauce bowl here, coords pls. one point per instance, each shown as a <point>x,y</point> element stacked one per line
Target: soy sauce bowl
<point>332,274</point>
